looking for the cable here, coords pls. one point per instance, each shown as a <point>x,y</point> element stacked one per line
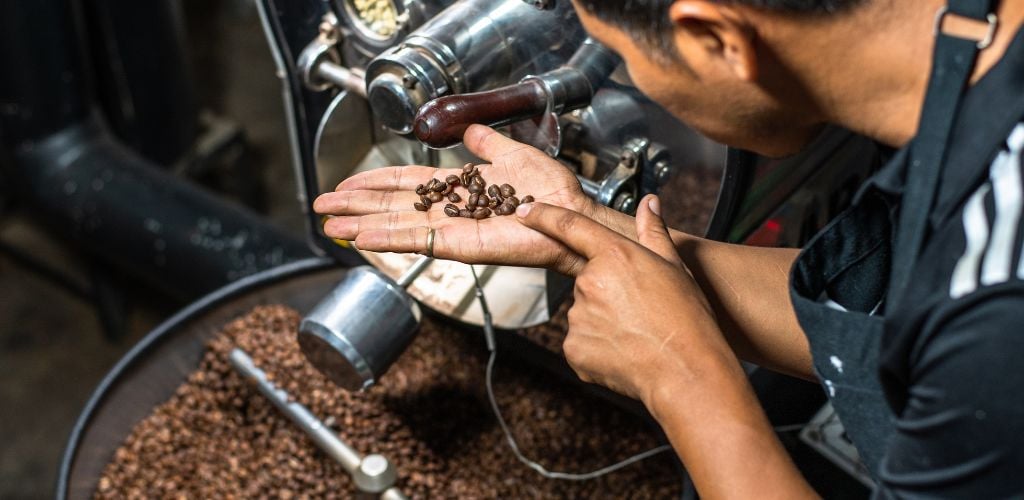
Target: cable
<point>568,476</point>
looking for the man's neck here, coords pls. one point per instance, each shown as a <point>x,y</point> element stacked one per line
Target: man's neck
<point>870,69</point>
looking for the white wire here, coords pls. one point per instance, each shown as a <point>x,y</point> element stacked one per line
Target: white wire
<point>488,329</point>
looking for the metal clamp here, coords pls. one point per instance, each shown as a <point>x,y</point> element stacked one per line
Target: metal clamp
<point>983,43</point>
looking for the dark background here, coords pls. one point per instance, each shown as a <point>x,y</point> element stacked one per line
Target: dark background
<point>53,348</point>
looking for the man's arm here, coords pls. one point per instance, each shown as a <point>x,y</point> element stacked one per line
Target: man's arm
<point>748,288</point>
<point>641,326</point>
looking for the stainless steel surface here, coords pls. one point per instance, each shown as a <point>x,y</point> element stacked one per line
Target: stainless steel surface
<point>351,80</point>
<point>355,333</point>
<point>320,50</point>
<point>329,442</point>
<point>472,45</point>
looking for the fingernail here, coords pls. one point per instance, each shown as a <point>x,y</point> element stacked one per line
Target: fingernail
<point>655,205</point>
<point>524,209</point>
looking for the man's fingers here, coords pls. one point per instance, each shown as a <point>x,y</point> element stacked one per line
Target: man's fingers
<point>394,178</point>
<point>651,231</point>
<point>489,145</point>
<point>577,232</point>
<point>347,227</point>
<point>364,202</point>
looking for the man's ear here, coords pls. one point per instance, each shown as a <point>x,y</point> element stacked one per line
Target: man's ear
<point>709,33</point>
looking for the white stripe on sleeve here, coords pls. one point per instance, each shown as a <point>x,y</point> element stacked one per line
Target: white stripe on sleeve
<point>965,274</point>
<point>1006,190</point>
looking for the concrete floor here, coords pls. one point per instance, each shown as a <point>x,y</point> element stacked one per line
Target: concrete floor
<point>53,350</point>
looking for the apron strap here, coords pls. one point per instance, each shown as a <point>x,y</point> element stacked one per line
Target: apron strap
<point>952,64</point>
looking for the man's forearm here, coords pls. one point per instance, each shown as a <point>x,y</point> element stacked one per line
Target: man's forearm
<point>716,425</point>
<point>748,287</point>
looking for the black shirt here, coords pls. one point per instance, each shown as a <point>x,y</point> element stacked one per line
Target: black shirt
<point>949,358</point>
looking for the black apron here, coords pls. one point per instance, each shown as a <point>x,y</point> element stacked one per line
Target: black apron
<point>849,274</point>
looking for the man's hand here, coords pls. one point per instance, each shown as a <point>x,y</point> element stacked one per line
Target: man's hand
<point>375,208</point>
<point>642,327</point>
<point>637,309</point>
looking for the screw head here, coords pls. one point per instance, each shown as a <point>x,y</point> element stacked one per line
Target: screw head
<point>410,81</point>
<point>662,171</point>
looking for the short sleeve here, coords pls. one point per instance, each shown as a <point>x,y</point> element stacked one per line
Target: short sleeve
<point>961,432</point>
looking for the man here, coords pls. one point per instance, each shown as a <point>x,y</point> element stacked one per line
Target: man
<point>921,362</point>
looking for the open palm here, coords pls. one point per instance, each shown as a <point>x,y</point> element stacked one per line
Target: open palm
<point>375,208</point>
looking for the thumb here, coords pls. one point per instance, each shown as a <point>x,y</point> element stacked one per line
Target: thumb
<point>651,231</point>
<point>490,145</point>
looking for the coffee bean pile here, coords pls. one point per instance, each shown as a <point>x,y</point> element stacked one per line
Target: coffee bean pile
<point>218,437</point>
<point>483,200</point>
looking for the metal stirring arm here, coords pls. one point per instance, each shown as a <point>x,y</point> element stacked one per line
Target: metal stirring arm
<point>372,474</point>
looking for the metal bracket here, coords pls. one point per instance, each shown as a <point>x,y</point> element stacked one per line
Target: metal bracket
<point>622,188</point>
<point>321,49</point>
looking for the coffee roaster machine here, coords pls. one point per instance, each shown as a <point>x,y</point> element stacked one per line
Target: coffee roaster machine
<point>368,83</point>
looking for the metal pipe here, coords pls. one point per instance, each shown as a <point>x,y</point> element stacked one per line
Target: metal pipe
<point>341,452</point>
<point>372,474</point>
<point>69,170</point>
<point>350,79</point>
<point>414,271</point>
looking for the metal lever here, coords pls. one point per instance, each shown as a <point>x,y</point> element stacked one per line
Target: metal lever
<point>372,474</point>
<point>442,122</point>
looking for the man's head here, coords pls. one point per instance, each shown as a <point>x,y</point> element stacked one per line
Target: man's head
<point>721,66</point>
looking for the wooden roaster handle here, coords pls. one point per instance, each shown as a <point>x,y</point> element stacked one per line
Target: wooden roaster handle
<point>442,122</point>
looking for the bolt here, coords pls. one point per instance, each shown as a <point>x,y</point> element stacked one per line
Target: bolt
<point>662,171</point>
<point>625,203</point>
<point>628,158</point>
<point>409,81</point>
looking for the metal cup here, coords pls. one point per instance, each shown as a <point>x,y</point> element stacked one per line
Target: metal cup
<point>358,331</point>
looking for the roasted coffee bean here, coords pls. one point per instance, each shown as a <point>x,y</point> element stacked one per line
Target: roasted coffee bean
<point>527,199</point>
<point>421,190</point>
<point>465,212</point>
<point>452,180</point>
<point>420,206</point>
<point>454,197</point>
<point>483,201</point>
<point>474,198</point>
<point>512,200</point>
<point>507,190</point>
<point>493,191</point>
<point>467,168</point>
<point>451,210</point>
<point>493,204</point>
<point>435,196</point>
<point>448,189</point>
<point>481,213</point>
<point>475,188</point>
<point>505,209</point>
<point>478,179</point>
<point>439,186</point>
<point>216,436</point>
<point>426,201</point>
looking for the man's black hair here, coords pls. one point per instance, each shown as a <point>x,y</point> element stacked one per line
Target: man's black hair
<point>647,20</point>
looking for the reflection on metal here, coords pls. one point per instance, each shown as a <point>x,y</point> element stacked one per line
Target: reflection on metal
<point>360,328</point>
<point>343,139</point>
<point>472,45</point>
